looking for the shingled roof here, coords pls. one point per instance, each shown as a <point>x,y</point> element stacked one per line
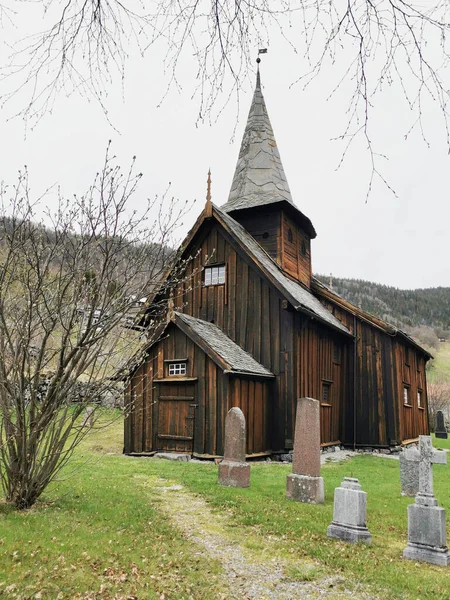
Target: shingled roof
<point>235,359</point>
<point>259,178</point>
<point>301,298</point>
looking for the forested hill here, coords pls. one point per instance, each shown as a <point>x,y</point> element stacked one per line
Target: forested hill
<point>404,308</point>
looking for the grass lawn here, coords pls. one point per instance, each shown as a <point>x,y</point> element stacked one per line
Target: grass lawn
<point>98,534</point>
<point>441,364</point>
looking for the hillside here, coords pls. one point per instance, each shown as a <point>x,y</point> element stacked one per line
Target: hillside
<point>407,309</point>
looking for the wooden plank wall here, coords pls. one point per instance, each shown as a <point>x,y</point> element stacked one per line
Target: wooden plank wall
<point>248,309</point>
<point>215,394</point>
<point>265,228</point>
<point>293,261</point>
<point>381,372</point>
<point>321,359</point>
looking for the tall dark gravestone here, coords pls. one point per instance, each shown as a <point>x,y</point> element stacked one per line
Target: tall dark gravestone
<point>440,431</point>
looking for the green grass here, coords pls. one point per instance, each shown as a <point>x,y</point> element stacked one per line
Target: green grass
<point>100,532</point>
<point>300,529</point>
<point>97,534</point>
<point>441,365</point>
<point>441,444</point>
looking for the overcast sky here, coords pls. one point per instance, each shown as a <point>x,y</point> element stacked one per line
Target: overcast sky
<point>401,240</point>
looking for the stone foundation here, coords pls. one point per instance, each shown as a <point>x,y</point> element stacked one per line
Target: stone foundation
<point>349,533</point>
<point>427,540</point>
<point>234,474</point>
<point>304,488</point>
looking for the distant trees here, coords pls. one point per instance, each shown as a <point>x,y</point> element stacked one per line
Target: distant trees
<point>408,309</point>
<point>68,281</point>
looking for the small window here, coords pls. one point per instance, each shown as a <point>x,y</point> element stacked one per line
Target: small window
<point>265,235</point>
<point>215,275</point>
<point>336,354</point>
<point>290,236</point>
<point>303,248</point>
<point>177,368</point>
<point>326,393</point>
<point>419,398</point>
<point>406,399</point>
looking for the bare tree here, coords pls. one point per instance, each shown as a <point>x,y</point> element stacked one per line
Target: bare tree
<point>67,285</point>
<point>438,392</point>
<point>372,45</point>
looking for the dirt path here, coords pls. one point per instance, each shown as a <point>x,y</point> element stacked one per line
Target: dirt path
<point>248,574</point>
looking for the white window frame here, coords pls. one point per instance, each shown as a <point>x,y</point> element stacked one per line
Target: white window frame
<point>406,396</point>
<point>176,369</point>
<point>215,275</point>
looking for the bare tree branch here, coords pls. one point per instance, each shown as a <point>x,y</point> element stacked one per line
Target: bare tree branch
<point>373,44</point>
<point>66,293</point>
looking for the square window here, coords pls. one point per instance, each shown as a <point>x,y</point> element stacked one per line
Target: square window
<point>215,275</point>
<point>177,369</point>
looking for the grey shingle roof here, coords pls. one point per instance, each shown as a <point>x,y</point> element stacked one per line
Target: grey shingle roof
<point>259,178</point>
<point>303,299</point>
<point>238,359</point>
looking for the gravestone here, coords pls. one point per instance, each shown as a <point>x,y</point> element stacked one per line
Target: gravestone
<point>409,471</point>
<point>349,515</point>
<point>427,540</point>
<point>88,418</point>
<point>233,470</point>
<point>305,484</point>
<point>441,431</point>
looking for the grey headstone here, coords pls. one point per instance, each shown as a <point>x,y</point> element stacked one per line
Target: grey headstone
<point>409,471</point>
<point>440,431</point>
<point>233,470</point>
<point>349,516</point>
<point>426,521</point>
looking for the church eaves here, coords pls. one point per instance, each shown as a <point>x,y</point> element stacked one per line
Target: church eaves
<point>259,178</point>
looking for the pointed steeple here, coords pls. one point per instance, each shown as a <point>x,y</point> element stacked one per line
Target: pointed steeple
<point>259,178</point>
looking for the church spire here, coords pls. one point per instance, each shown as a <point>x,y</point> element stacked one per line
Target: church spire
<point>259,178</point>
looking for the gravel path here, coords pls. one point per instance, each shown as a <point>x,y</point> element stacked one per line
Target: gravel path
<point>247,575</point>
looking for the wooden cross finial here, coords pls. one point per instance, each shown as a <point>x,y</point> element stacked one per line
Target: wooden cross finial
<point>208,206</point>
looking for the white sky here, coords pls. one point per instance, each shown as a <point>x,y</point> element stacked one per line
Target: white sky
<point>402,241</point>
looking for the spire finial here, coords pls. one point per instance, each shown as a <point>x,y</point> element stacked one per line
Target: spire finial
<point>208,206</point>
<point>258,60</point>
<point>208,193</point>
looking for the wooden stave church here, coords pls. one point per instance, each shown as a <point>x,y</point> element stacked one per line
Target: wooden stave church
<point>250,326</point>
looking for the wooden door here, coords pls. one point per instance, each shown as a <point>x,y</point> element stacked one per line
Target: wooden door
<point>176,413</point>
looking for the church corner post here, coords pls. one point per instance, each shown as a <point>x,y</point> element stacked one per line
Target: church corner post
<point>305,484</point>
<point>233,470</point>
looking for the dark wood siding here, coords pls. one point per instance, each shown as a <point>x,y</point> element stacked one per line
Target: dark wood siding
<point>383,364</point>
<point>295,251</point>
<point>265,227</point>
<point>187,414</point>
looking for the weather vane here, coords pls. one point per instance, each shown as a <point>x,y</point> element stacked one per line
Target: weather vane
<point>261,51</point>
